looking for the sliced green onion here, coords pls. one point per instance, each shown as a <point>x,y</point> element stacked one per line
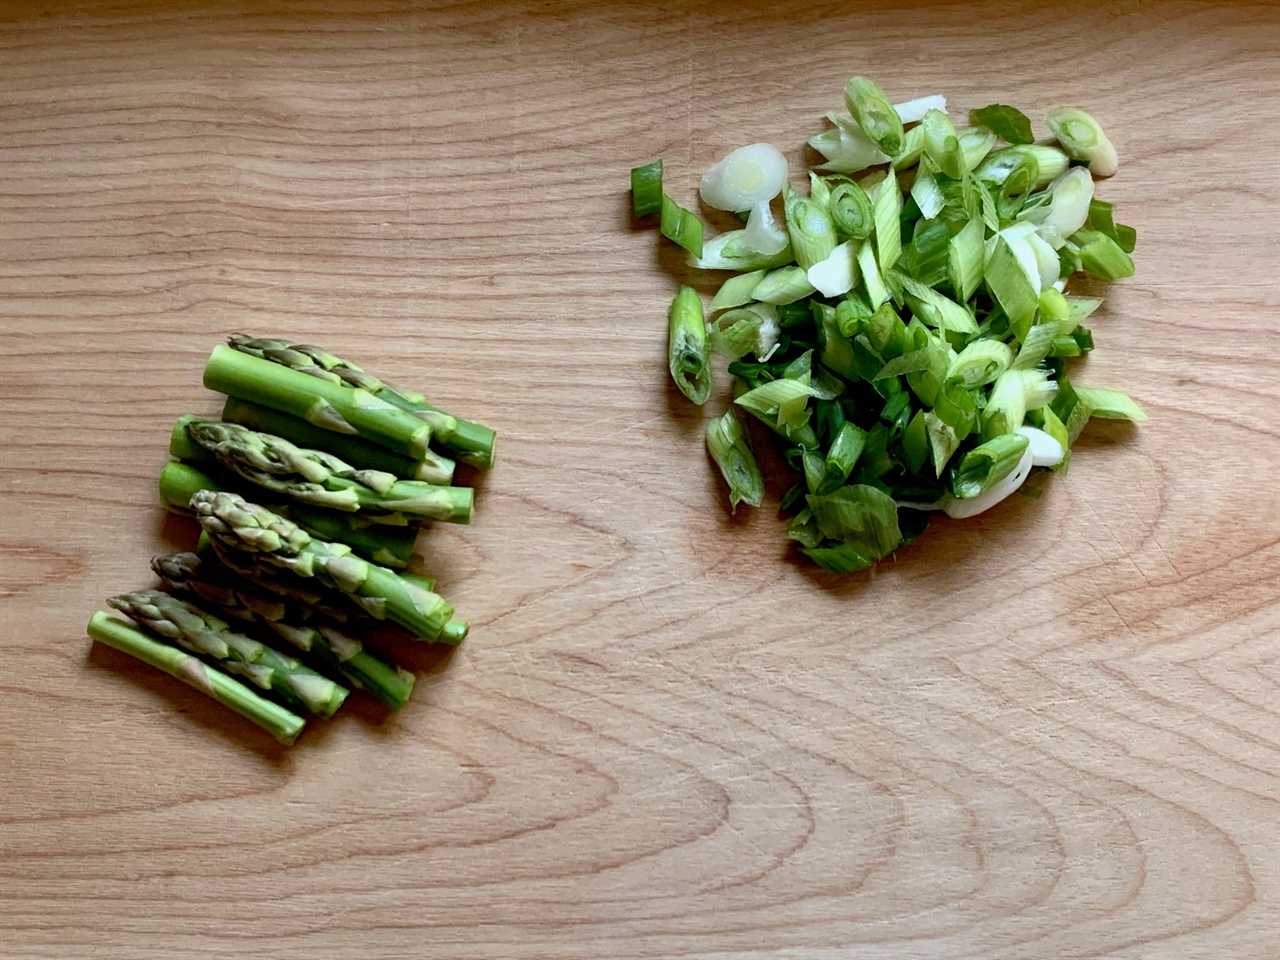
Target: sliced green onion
<point>941,145</point>
<point>782,404</point>
<point>965,256</point>
<point>646,189</point>
<point>819,191</point>
<point>846,148</point>
<point>980,363</point>
<point>943,441</point>
<point>987,464</point>
<point>1100,256</point>
<point>748,176</point>
<point>937,310</point>
<point>813,234</point>
<point>1070,197</point>
<point>1100,218</point>
<point>912,149</point>
<point>680,226</point>
<point>1110,404</point>
<point>1082,138</point>
<point>1015,392</point>
<point>851,210</point>
<point>733,251</point>
<point>1008,123</point>
<point>843,453</point>
<point>913,111</point>
<point>888,208</point>
<point>975,144</point>
<point>750,329</point>
<point>869,106</point>
<point>872,281</point>
<point>840,557</point>
<point>784,285</point>
<point>1050,424</point>
<point>687,346</point>
<point>1051,163</point>
<point>1082,308</point>
<point>927,194</point>
<point>730,448</point>
<point>858,514</point>
<point>763,233</point>
<point>736,291</point>
<point>1009,283</point>
<point>838,273</point>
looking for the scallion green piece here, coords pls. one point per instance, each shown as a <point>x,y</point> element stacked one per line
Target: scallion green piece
<point>680,226</point>
<point>937,310</point>
<point>1015,392</point>
<point>872,282</point>
<point>730,448</point>
<point>1100,256</point>
<point>927,194</point>
<point>888,208</point>
<point>813,234</point>
<point>784,285</point>
<point>987,464</point>
<point>1110,404</point>
<point>687,346</point>
<point>733,251</point>
<point>736,291</point>
<point>1082,138</point>
<point>1050,163</point>
<point>750,329</point>
<point>781,404</point>
<point>875,114</point>
<point>980,363</point>
<point>646,189</point>
<point>965,256</point>
<point>912,149</point>
<point>942,146</point>
<point>1008,123</point>
<point>851,210</point>
<point>838,273</point>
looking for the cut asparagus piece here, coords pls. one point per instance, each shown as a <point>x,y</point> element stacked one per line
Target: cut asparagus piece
<point>336,649</point>
<point>282,724</point>
<point>235,523</point>
<point>200,632</point>
<point>333,406</point>
<point>388,545</point>
<point>432,468</point>
<point>470,442</point>
<point>316,478</point>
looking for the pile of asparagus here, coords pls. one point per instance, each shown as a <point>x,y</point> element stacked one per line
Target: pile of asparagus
<point>309,493</point>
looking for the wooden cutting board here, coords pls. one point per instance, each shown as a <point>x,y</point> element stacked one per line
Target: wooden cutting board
<point>1049,732</point>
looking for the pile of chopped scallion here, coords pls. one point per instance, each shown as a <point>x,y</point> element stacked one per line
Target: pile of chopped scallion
<point>904,328</point>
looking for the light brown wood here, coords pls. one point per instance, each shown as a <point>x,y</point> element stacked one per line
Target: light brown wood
<point>1050,732</point>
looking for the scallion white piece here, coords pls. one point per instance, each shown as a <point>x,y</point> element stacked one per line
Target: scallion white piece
<point>748,176</point>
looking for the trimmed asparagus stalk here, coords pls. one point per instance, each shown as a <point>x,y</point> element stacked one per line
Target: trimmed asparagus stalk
<point>432,468</point>
<point>470,442</point>
<point>387,545</point>
<point>320,402</point>
<point>276,720</point>
<point>200,632</point>
<point>236,524</point>
<point>314,477</point>
<point>337,650</point>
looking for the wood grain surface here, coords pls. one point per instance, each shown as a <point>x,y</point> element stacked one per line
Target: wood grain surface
<point>1050,732</point>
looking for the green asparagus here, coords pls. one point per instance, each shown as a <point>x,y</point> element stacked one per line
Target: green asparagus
<point>470,442</point>
<point>239,525</point>
<point>200,632</point>
<point>276,720</point>
<point>314,477</point>
<point>322,403</point>
<point>432,468</point>
<point>337,650</point>
<point>384,544</point>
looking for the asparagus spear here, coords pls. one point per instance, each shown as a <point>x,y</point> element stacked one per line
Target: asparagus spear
<point>470,442</point>
<point>340,653</point>
<point>322,403</point>
<point>200,632</point>
<point>387,545</point>
<point>276,720</point>
<point>236,524</point>
<point>315,477</point>
<point>432,468</point>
